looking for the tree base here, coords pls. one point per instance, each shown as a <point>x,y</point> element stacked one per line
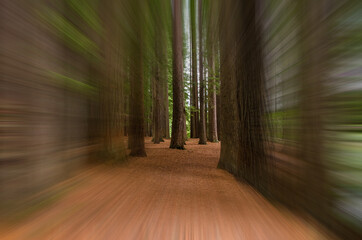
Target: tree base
<point>178,147</point>
<point>159,141</point>
<point>138,153</point>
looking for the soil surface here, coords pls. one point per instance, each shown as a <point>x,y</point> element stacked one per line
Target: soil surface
<point>171,194</point>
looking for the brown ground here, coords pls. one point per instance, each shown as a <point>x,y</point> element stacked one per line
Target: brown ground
<point>171,194</point>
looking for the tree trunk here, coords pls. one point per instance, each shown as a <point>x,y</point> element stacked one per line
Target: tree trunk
<point>212,95</point>
<point>136,108</point>
<point>314,65</point>
<point>111,89</point>
<point>156,108</point>
<point>177,138</point>
<point>157,93</point>
<point>242,73</point>
<point>194,84</point>
<point>167,117</point>
<point>218,105</point>
<point>202,129</point>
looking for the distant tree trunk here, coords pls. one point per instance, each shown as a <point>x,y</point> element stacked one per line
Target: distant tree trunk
<point>212,95</point>
<point>242,86</point>
<point>194,84</point>
<point>206,100</point>
<point>218,116</point>
<point>167,117</point>
<point>156,107</point>
<point>125,112</point>
<point>162,102</point>
<point>218,105</point>
<point>211,50</point>
<point>160,87</point>
<point>136,108</point>
<point>184,126</point>
<point>127,99</point>
<point>177,138</point>
<point>160,113</point>
<point>157,94</point>
<point>202,129</point>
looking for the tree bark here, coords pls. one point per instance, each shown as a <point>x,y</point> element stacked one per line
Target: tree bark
<point>314,66</point>
<point>194,84</point>
<point>111,86</point>
<point>218,105</point>
<point>137,129</point>
<point>242,87</point>
<point>177,138</point>
<point>212,94</point>
<point>202,128</point>
<point>158,91</point>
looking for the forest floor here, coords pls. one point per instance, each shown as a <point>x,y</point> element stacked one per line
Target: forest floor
<point>171,194</point>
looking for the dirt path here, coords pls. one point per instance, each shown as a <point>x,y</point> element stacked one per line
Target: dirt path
<point>171,194</point>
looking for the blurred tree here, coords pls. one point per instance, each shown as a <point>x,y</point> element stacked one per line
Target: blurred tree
<point>136,109</point>
<point>314,65</point>
<point>194,83</point>
<point>177,138</point>
<point>202,128</point>
<point>111,84</point>
<point>159,72</point>
<point>242,79</point>
<point>211,45</point>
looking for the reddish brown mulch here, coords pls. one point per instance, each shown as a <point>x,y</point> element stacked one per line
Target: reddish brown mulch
<point>171,194</point>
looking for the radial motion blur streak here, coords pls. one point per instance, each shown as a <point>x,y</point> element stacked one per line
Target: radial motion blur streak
<point>181,119</point>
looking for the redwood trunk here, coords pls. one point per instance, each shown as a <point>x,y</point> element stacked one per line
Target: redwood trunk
<point>136,109</point>
<point>177,138</point>
<point>202,129</point>
<point>242,79</point>
<point>212,96</point>
<point>194,84</point>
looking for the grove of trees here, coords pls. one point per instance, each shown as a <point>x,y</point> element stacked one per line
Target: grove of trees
<point>92,79</point>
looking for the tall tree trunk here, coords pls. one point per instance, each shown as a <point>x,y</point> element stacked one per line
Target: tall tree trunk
<point>314,66</point>
<point>111,88</point>
<point>211,46</point>
<point>184,126</point>
<point>212,95</point>
<point>136,109</point>
<point>161,83</point>
<point>202,129</point>
<point>217,84</point>
<point>166,105</point>
<point>156,108</point>
<point>242,72</point>
<point>158,91</point>
<point>194,84</point>
<point>177,138</point>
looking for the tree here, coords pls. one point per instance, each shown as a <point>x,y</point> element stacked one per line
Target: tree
<point>156,98</point>
<point>314,62</point>
<point>212,123</point>
<point>202,128</point>
<point>177,137</point>
<point>111,86</point>
<point>194,84</point>
<point>159,89</point>
<point>157,80</point>
<point>242,99</point>
<point>136,109</point>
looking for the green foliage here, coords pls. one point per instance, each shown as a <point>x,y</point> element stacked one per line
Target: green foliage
<point>283,122</point>
<point>73,84</point>
<point>87,12</point>
<point>74,38</point>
